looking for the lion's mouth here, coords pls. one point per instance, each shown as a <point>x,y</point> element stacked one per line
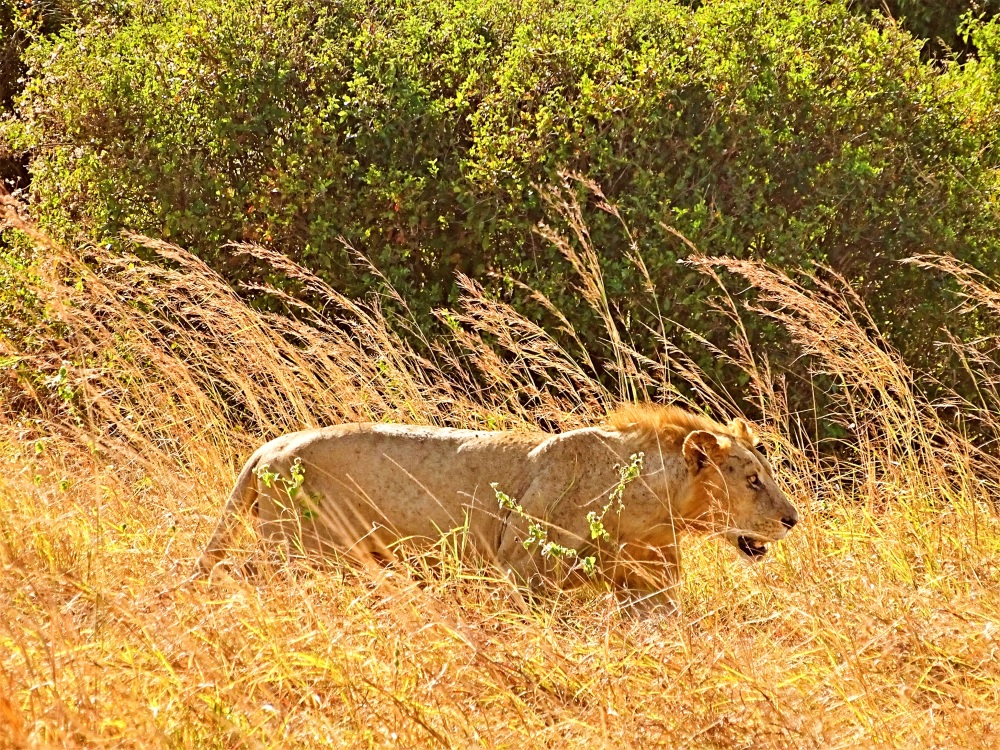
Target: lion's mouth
<point>751,547</point>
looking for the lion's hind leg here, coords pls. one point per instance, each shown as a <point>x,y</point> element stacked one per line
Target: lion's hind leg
<point>241,500</point>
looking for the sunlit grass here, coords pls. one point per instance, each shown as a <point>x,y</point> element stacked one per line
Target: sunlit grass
<point>875,623</point>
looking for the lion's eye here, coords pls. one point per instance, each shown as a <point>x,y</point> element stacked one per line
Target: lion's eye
<point>754,481</point>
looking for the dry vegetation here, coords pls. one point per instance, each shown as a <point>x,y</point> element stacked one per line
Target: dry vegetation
<point>128,407</point>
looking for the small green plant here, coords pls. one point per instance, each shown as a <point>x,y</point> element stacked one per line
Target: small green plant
<point>59,385</point>
<point>298,477</point>
<point>265,475</point>
<point>626,474</point>
<point>291,485</point>
<point>537,535</point>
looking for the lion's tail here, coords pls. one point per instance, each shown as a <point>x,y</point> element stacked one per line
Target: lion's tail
<point>240,500</point>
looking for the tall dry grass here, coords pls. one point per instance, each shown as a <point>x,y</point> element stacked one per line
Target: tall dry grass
<point>132,391</point>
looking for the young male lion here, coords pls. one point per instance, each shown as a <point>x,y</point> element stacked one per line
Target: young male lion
<point>361,488</point>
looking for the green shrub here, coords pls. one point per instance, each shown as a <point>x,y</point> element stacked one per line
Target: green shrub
<point>288,124</point>
<point>937,21</point>
<point>421,130</point>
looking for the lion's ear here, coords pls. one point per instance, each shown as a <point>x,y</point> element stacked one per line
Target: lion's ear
<point>703,447</point>
<point>743,432</point>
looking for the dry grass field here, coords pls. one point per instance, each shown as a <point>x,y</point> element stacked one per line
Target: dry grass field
<point>131,392</point>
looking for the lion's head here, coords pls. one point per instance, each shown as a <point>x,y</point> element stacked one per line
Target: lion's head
<point>734,492</point>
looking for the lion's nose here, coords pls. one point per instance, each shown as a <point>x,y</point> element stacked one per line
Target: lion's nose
<point>789,521</point>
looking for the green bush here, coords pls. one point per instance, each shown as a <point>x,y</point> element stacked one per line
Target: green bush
<point>421,130</point>
<point>937,21</point>
<point>288,124</point>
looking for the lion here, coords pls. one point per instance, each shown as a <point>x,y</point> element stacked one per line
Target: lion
<point>361,489</point>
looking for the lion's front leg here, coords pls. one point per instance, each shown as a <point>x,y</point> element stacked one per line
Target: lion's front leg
<point>540,564</point>
<point>647,579</point>
<point>519,561</point>
<point>644,603</point>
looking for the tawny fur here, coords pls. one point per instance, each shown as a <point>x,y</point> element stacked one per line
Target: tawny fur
<point>368,487</point>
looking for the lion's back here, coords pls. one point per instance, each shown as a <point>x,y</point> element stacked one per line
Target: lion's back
<point>402,481</point>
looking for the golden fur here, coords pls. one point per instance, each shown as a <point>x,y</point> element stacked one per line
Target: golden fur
<point>361,489</point>
<point>670,425</point>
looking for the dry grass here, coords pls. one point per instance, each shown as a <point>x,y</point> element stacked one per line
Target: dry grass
<point>128,407</point>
